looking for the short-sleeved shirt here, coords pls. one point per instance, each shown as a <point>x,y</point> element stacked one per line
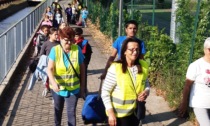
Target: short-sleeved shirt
<point>84,14</point>
<point>119,41</point>
<point>199,72</point>
<point>66,61</point>
<point>46,47</point>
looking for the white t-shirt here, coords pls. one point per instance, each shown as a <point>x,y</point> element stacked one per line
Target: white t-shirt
<point>73,10</point>
<point>199,72</point>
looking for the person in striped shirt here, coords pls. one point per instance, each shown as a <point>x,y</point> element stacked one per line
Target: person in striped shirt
<point>125,83</point>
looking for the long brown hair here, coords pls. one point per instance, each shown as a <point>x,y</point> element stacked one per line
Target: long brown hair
<point>123,58</point>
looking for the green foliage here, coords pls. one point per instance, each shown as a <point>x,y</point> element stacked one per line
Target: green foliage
<point>108,17</point>
<point>168,61</point>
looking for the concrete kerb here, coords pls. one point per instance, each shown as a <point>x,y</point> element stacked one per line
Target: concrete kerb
<point>6,83</point>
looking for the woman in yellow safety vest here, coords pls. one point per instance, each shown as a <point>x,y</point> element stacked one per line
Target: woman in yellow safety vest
<point>65,83</point>
<point>125,84</point>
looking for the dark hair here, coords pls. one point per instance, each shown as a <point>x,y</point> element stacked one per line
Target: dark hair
<point>131,22</point>
<point>78,31</point>
<point>52,30</point>
<point>67,32</point>
<point>44,26</point>
<point>123,58</point>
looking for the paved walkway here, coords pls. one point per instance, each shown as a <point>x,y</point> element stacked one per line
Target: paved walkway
<point>29,108</point>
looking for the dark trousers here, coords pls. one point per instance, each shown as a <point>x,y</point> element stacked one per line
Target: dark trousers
<point>71,103</point>
<point>128,121</point>
<point>86,68</point>
<point>69,19</point>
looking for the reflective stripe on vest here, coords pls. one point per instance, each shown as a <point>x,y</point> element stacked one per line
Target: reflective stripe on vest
<point>124,100</point>
<point>66,77</point>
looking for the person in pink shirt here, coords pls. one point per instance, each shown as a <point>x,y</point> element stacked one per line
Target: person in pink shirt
<point>46,21</point>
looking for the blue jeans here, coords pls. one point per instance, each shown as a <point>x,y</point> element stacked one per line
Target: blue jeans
<point>84,22</point>
<point>71,103</point>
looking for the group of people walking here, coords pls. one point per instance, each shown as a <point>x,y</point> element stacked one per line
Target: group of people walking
<point>62,65</point>
<point>125,79</point>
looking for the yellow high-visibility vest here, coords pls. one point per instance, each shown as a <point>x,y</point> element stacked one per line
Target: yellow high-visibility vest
<point>124,100</point>
<point>66,77</point>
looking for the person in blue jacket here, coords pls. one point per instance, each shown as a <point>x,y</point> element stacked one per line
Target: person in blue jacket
<point>131,28</point>
<point>84,13</point>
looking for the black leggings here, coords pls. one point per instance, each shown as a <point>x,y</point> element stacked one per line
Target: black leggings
<point>128,121</point>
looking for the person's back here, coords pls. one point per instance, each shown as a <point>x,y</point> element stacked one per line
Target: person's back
<point>47,21</point>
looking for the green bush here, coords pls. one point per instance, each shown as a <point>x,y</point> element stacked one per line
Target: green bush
<point>168,61</point>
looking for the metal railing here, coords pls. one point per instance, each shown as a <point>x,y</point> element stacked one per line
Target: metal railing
<point>13,40</point>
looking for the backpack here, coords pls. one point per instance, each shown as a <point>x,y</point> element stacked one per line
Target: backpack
<point>33,65</point>
<point>88,52</point>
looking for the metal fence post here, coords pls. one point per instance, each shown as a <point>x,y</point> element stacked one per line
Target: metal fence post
<point>120,17</point>
<point>194,32</point>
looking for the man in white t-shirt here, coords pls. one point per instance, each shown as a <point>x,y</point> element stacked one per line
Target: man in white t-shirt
<point>197,88</point>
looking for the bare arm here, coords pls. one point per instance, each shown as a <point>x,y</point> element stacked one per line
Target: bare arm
<point>111,117</point>
<point>50,71</point>
<point>185,99</point>
<point>109,62</point>
<point>144,94</point>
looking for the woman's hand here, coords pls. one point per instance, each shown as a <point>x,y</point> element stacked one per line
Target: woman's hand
<point>111,118</point>
<point>142,96</point>
<point>185,100</point>
<point>55,87</point>
<point>182,109</point>
<point>82,94</point>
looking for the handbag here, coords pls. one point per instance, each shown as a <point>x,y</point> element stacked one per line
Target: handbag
<point>33,65</point>
<point>140,110</point>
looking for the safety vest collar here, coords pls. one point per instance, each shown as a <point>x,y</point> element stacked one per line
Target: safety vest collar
<point>66,77</point>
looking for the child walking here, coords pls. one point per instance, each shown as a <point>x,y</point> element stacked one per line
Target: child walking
<point>41,38</point>
<point>86,50</point>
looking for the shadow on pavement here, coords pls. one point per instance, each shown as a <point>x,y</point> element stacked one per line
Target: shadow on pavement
<point>91,72</point>
<point>163,117</point>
